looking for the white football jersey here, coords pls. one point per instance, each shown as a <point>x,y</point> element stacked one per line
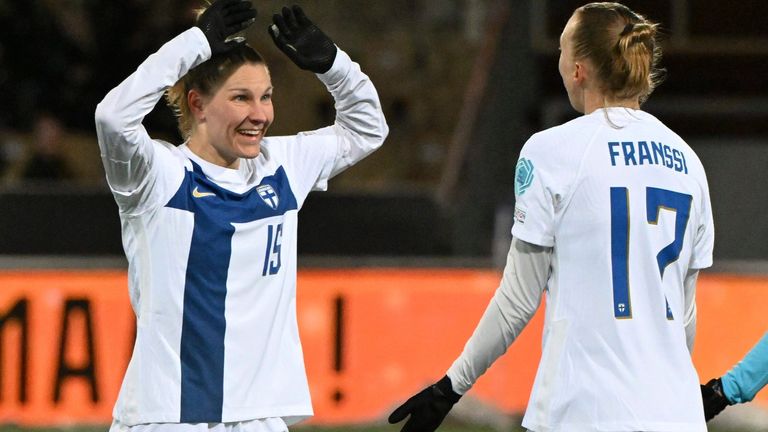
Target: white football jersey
<point>624,203</point>
<point>212,250</point>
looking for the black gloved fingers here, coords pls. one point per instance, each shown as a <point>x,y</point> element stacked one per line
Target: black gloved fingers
<point>421,423</point>
<point>222,19</point>
<point>277,35</point>
<point>234,43</point>
<point>235,17</point>
<point>402,411</point>
<point>305,44</point>
<point>282,43</point>
<point>290,19</point>
<point>230,8</point>
<point>285,32</point>
<point>238,28</point>
<point>238,12</point>
<point>241,21</point>
<point>237,9</point>
<point>223,5</point>
<point>233,6</point>
<point>301,18</point>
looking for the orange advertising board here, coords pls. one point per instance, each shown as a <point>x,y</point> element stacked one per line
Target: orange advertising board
<point>371,338</point>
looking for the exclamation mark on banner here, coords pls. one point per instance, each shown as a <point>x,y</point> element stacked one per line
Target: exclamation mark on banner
<point>338,346</point>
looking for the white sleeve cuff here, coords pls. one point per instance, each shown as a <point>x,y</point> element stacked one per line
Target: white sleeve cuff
<point>340,68</point>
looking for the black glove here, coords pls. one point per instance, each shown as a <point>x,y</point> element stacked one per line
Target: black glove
<point>224,18</point>
<point>301,40</point>
<point>427,408</point>
<point>714,398</point>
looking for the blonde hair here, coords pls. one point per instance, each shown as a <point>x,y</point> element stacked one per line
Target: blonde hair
<point>206,78</point>
<point>623,47</point>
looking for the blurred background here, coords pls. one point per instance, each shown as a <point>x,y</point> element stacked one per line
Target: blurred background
<point>463,84</point>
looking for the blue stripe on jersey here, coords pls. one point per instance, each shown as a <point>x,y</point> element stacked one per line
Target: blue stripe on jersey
<point>622,307</point>
<point>205,290</point>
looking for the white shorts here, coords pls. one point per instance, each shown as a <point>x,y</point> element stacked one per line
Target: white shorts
<point>273,424</point>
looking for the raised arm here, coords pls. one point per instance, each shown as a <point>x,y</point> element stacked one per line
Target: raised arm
<point>126,148</point>
<point>360,124</point>
<point>127,151</point>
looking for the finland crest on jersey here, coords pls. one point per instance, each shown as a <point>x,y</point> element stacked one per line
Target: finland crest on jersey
<point>225,223</point>
<point>222,346</point>
<point>268,195</point>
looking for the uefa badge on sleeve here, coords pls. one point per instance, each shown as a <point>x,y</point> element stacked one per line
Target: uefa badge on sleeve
<point>523,176</point>
<point>519,215</point>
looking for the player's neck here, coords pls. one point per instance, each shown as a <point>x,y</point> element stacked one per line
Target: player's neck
<point>595,100</point>
<point>199,144</point>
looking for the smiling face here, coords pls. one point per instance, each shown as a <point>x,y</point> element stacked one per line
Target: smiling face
<point>231,123</point>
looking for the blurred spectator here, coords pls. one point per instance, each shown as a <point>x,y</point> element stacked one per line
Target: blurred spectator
<point>11,150</point>
<point>47,161</point>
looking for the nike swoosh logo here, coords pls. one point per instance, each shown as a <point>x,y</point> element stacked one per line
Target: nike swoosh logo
<point>197,194</point>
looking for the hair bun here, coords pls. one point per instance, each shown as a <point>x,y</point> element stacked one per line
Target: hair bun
<point>627,64</point>
<point>627,29</point>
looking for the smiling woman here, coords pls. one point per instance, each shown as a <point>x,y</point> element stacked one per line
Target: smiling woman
<point>224,106</point>
<point>209,226</point>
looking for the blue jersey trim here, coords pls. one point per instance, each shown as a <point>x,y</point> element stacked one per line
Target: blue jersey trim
<point>204,323</point>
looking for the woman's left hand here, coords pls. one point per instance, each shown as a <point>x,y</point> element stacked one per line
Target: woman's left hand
<point>302,41</point>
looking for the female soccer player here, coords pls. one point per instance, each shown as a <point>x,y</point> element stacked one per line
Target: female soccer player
<point>209,227</point>
<point>612,223</point>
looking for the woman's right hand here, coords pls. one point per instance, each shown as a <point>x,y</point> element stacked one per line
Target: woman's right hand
<point>224,18</point>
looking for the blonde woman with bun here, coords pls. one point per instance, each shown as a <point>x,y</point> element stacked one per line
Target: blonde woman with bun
<point>612,224</point>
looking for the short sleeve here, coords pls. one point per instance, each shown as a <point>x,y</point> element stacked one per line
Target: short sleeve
<point>534,216</point>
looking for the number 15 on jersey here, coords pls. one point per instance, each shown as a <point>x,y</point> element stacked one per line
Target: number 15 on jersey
<point>272,256</point>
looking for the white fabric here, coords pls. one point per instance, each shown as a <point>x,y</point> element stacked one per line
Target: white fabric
<point>167,207</point>
<point>690,308</point>
<point>275,424</point>
<point>599,372</point>
<point>512,306</point>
